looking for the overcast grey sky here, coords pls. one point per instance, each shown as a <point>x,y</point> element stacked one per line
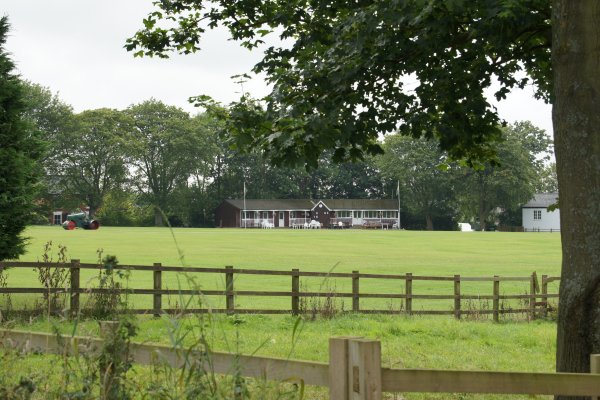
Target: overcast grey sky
<point>75,47</point>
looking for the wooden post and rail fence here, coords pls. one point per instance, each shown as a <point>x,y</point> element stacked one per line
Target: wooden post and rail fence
<point>535,302</point>
<point>354,370</point>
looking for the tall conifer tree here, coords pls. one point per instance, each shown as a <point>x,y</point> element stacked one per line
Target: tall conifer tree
<point>19,149</point>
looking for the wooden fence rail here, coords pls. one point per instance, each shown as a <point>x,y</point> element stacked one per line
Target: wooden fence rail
<point>536,300</point>
<point>354,370</point>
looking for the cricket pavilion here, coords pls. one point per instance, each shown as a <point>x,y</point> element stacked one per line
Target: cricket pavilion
<point>306,213</point>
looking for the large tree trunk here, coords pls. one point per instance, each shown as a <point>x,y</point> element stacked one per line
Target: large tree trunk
<point>576,118</point>
<point>93,204</point>
<point>429,222</point>
<point>158,217</point>
<point>481,210</point>
<point>93,208</point>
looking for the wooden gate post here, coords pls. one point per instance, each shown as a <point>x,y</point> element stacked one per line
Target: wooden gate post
<point>355,289</point>
<point>364,367</point>
<point>157,297</point>
<point>295,291</point>
<point>457,296</point>
<point>533,288</point>
<point>354,369</point>
<point>595,369</point>
<point>496,299</point>
<point>229,297</point>
<point>408,292</point>
<point>545,294</point>
<point>338,368</point>
<point>75,285</point>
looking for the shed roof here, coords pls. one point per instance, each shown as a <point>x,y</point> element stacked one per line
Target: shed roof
<point>272,204</point>
<point>361,204</point>
<point>307,204</point>
<point>542,200</point>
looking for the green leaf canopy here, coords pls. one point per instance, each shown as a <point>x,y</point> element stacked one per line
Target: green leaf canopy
<point>352,70</point>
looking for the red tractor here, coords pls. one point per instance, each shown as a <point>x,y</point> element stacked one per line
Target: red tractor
<point>80,220</point>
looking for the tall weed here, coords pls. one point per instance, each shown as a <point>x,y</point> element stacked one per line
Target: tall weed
<point>53,277</point>
<point>108,300</point>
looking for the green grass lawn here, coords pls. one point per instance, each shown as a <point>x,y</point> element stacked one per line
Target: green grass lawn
<point>368,251</point>
<point>407,342</point>
<point>427,253</point>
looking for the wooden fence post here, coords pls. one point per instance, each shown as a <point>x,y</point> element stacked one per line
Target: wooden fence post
<point>355,295</point>
<point>533,288</point>
<point>364,367</point>
<point>295,291</point>
<point>496,300</point>
<point>157,297</point>
<point>108,376</point>
<point>595,369</point>
<point>75,284</point>
<point>338,368</point>
<point>457,296</point>
<point>229,298</point>
<point>408,291</point>
<point>545,294</point>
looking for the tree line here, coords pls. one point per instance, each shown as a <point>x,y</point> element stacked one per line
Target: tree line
<point>153,161</point>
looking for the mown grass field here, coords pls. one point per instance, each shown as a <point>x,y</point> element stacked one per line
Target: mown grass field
<point>433,253</point>
<point>411,342</point>
<point>368,251</point>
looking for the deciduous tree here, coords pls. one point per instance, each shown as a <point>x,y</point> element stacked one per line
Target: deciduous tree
<point>510,181</point>
<point>50,117</point>
<point>90,160</point>
<point>427,188</point>
<point>47,113</point>
<point>340,80</point>
<point>547,182</point>
<point>351,180</point>
<point>161,148</point>
<point>576,62</point>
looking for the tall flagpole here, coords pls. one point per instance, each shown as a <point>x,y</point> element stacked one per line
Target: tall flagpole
<point>245,215</point>
<point>398,194</point>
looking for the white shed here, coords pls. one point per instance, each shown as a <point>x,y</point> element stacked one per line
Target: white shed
<point>537,218</point>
